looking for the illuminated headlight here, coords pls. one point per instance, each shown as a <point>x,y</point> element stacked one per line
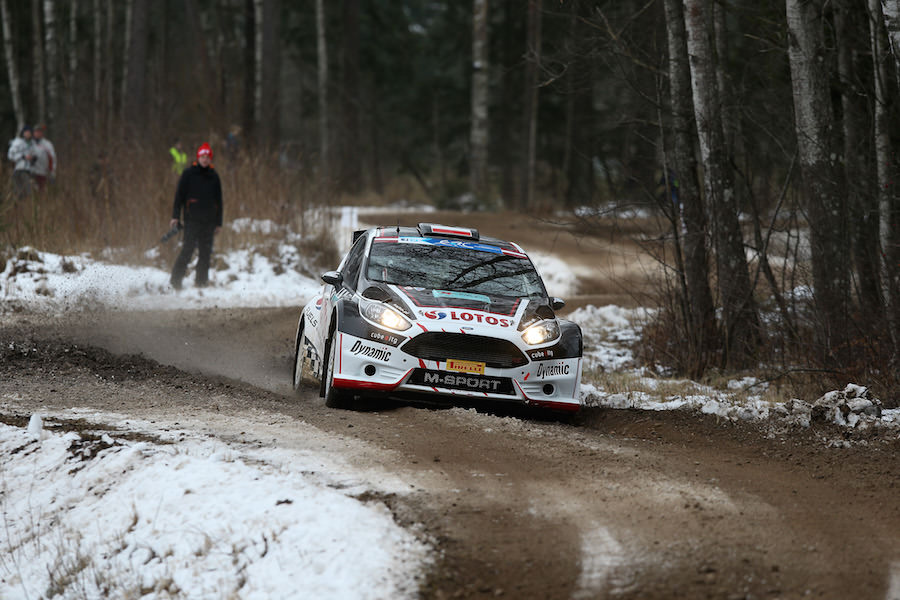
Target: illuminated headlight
<point>385,316</point>
<point>539,333</point>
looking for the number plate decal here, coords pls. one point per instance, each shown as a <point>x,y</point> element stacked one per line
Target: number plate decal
<point>465,366</point>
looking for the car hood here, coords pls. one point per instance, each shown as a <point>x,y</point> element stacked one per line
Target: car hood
<point>448,307</point>
<point>429,298</point>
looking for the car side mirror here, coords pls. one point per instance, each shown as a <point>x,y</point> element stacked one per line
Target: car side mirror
<point>333,278</point>
<point>557,303</point>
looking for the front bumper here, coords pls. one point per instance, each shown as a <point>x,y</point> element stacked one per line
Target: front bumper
<point>367,366</point>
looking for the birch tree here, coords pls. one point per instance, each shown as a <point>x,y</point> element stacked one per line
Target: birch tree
<point>741,323</point>
<point>478,137</point>
<point>52,55</point>
<point>135,102</point>
<point>851,26</point>
<point>351,164</point>
<point>12,69</point>
<point>580,137</point>
<point>110,64</point>
<point>268,65</point>
<point>73,41</point>
<point>126,51</point>
<point>891,12</point>
<point>886,167</point>
<point>248,113</point>
<point>700,318</point>
<point>38,83</point>
<point>322,55</point>
<point>821,171</point>
<point>532,66</point>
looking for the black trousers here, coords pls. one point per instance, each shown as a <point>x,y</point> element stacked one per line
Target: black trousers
<point>200,236</point>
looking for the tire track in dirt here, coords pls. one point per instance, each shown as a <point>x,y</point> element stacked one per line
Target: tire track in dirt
<point>619,504</point>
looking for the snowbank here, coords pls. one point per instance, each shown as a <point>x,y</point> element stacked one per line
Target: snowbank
<point>87,515</point>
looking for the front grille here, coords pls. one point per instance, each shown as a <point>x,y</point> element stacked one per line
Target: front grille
<point>500,354</point>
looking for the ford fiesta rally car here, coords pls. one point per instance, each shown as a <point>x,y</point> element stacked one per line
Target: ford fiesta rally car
<point>440,312</point>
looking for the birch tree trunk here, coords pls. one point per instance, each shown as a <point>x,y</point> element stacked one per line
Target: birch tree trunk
<point>51,47</point>
<point>266,116</point>
<point>579,124</point>
<point>507,125</point>
<point>850,29</point>
<point>271,71</point>
<point>248,114</point>
<point>207,84</point>
<point>478,136</point>
<point>12,69</point>
<point>886,172</point>
<point>701,317</point>
<point>73,42</point>
<point>110,65</point>
<point>322,51</point>
<point>532,61</point>
<point>351,165</point>
<point>741,324</point>
<point>126,52</point>
<point>821,171</point>
<point>891,12</point>
<point>98,65</point>
<point>38,64</point>
<point>258,11</point>
<point>135,101</point>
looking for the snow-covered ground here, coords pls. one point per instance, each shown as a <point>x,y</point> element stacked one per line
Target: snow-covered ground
<point>94,507</point>
<point>98,516</point>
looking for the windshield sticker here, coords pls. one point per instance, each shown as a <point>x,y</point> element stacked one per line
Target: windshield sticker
<point>461,296</point>
<point>458,244</point>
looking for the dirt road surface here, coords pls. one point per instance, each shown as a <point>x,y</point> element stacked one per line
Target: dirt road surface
<point>615,504</point>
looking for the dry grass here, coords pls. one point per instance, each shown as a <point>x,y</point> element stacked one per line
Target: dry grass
<point>125,201</point>
<point>765,387</point>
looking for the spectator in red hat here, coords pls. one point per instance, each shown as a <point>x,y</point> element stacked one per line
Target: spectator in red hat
<point>199,198</point>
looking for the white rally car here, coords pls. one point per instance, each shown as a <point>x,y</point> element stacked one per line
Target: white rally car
<point>440,312</point>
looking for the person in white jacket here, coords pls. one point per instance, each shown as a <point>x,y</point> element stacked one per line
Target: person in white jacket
<point>44,168</point>
<point>23,154</point>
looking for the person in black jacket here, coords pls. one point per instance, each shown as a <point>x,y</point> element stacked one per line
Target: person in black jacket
<point>199,197</point>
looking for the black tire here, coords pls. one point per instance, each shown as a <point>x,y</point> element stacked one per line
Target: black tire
<point>334,397</point>
<point>299,356</point>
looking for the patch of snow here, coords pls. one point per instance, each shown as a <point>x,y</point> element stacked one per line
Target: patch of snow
<point>199,517</point>
<point>893,592</point>
<point>601,554</point>
<point>43,281</point>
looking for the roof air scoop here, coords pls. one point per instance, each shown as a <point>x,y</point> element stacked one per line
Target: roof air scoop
<point>465,233</point>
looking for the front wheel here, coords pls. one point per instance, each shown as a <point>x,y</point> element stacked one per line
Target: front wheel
<point>334,397</point>
<point>300,361</point>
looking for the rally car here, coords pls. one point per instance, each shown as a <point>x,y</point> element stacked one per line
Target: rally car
<point>437,313</point>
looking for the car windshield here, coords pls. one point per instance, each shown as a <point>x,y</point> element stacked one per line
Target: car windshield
<point>443,264</point>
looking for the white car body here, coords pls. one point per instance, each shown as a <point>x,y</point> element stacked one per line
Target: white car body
<point>446,343</point>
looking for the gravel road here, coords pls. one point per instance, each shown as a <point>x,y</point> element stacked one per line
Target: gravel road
<point>615,504</point>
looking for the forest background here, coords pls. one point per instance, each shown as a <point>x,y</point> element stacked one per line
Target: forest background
<point>760,135</point>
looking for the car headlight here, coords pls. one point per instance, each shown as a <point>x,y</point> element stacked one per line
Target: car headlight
<point>542,332</point>
<point>385,316</point>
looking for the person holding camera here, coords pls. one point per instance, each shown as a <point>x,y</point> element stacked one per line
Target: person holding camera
<point>23,154</point>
